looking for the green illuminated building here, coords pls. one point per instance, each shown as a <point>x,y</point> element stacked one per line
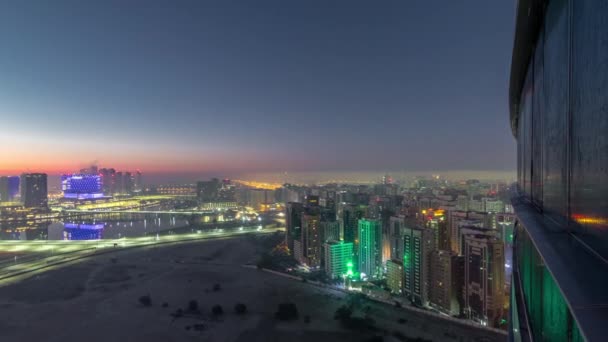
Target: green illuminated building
<point>370,254</point>
<point>338,259</point>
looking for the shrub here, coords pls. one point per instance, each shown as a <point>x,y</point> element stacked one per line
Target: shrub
<point>145,300</point>
<point>216,287</point>
<point>217,310</point>
<point>165,305</point>
<point>240,309</point>
<point>192,305</point>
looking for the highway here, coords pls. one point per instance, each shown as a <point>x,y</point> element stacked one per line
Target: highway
<point>22,259</point>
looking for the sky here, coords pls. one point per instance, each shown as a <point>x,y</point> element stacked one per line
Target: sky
<point>229,87</point>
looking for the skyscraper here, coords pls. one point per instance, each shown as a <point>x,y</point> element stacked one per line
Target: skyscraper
<point>484,279</point>
<point>370,253</point>
<point>559,116</point>
<point>9,188</point>
<point>394,276</point>
<point>108,179</point>
<point>311,239</point>
<point>418,243</point>
<point>208,191</point>
<point>330,230</point>
<point>446,284</point>
<point>338,256</point>
<point>34,190</point>
<point>293,223</point>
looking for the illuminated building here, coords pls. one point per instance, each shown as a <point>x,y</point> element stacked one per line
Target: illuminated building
<point>446,282</point>
<point>558,113</point>
<point>311,201</point>
<point>484,279</point>
<point>138,186</point>
<point>338,257</point>
<point>418,243</point>
<point>82,186</point>
<point>75,231</point>
<point>348,216</point>
<point>218,205</point>
<point>9,188</point>
<point>370,254</point>
<point>127,182</point>
<point>181,190</point>
<point>293,222</point>
<point>394,276</point>
<point>331,230</point>
<point>311,239</point>
<point>493,205</point>
<point>34,190</point>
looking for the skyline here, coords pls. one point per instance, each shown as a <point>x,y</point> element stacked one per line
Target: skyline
<point>235,88</point>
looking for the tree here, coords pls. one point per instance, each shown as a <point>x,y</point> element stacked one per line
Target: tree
<point>193,305</point>
<point>216,287</point>
<point>145,300</point>
<point>240,309</point>
<point>217,310</point>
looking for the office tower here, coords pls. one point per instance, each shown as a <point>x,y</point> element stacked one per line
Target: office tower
<point>138,185</point>
<point>462,203</point>
<point>208,191</point>
<point>447,280</point>
<point>311,239</point>
<point>338,256</point>
<point>394,276</point>
<point>9,188</point>
<point>484,279</point>
<point>493,205</point>
<point>293,223</point>
<point>418,243</point>
<point>34,190</point>
<point>108,179</point>
<point>330,230</point>
<point>396,226</point>
<point>128,183</point>
<point>311,201</point>
<point>370,254</point>
<point>119,184</point>
<point>558,100</point>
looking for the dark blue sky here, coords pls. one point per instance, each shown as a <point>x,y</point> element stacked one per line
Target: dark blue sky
<point>256,85</point>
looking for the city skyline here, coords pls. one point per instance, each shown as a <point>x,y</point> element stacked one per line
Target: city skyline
<point>223,88</point>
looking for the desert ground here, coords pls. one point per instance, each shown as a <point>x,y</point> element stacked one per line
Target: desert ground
<point>98,300</point>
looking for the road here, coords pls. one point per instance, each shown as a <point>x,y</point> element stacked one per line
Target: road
<point>21,259</point>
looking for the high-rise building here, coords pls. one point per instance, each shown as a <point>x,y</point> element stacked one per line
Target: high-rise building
<point>128,183</point>
<point>293,223</point>
<point>330,230</point>
<point>418,243</point>
<point>484,279</point>
<point>108,179</point>
<point>208,191</point>
<point>447,280</point>
<point>9,188</point>
<point>338,256</point>
<point>396,226</point>
<point>394,276</point>
<point>119,184</point>
<point>559,116</point>
<point>34,190</point>
<point>138,185</point>
<point>311,239</point>
<point>370,254</point>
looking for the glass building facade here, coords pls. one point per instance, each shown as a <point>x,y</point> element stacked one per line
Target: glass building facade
<point>559,116</point>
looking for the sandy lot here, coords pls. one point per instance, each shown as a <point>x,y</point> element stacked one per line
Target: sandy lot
<point>97,300</point>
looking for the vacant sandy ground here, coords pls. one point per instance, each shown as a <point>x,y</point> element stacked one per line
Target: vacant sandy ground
<point>97,300</point>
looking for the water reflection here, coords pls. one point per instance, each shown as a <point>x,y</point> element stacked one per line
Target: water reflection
<point>114,226</point>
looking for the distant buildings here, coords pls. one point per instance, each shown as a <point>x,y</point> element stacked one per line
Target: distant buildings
<point>338,257</point>
<point>34,190</point>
